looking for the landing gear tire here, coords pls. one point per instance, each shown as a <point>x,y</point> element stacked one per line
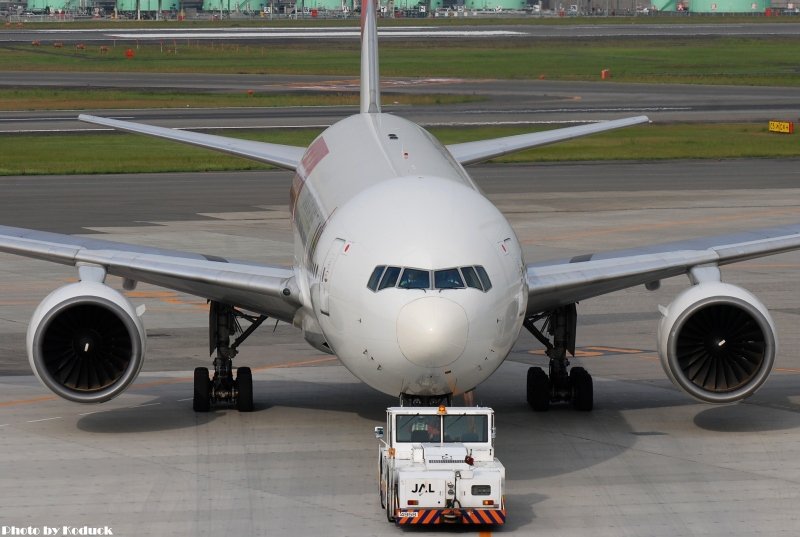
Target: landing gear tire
<point>582,389</point>
<point>538,389</point>
<point>202,390</point>
<point>244,380</point>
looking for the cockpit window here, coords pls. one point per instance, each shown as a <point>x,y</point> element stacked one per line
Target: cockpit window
<point>384,277</point>
<point>376,277</point>
<point>487,283</point>
<point>390,277</point>
<point>415,279</point>
<point>447,279</point>
<point>471,278</point>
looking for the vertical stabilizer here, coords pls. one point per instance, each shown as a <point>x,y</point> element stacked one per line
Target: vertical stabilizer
<point>370,81</point>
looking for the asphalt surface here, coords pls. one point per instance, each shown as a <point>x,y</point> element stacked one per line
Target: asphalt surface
<point>267,34</point>
<point>647,461</point>
<point>108,200</point>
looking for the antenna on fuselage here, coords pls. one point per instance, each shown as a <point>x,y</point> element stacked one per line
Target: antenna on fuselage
<point>370,80</point>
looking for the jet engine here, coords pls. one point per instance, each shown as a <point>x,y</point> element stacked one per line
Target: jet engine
<point>86,342</point>
<point>717,342</point>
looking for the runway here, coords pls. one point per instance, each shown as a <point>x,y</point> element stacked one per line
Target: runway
<point>478,30</point>
<point>647,461</point>
<point>507,102</point>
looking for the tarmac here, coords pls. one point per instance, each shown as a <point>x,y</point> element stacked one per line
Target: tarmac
<point>647,461</point>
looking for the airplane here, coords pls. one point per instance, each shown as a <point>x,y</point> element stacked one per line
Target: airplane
<point>403,270</point>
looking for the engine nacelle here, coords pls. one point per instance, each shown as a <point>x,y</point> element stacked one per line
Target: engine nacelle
<point>717,342</point>
<point>86,343</point>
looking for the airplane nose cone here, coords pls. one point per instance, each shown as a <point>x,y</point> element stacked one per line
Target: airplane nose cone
<point>432,331</point>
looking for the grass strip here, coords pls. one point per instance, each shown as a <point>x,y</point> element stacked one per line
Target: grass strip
<point>98,99</point>
<point>33,154</point>
<point>698,60</point>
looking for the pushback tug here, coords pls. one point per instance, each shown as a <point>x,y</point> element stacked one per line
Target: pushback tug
<point>437,466</point>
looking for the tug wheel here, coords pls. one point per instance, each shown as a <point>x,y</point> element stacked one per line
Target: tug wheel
<point>390,505</point>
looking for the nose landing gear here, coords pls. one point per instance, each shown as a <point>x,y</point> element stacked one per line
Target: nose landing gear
<point>562,384</point>
<point>222,387</point>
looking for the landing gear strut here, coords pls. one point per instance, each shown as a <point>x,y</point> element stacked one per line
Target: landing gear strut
<point>562,384</point>
<point>223,324</point>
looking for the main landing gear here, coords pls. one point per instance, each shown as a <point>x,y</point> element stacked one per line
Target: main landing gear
<point>562,384</point>
<point>223,325</point>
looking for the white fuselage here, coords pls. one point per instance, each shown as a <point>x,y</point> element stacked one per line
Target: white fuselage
<point>375,190</point>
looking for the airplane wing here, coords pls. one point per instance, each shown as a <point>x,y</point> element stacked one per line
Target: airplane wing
<point>282,156</point>
<point>559,283</point>
<point>265,289</point>
<point>483,150</point>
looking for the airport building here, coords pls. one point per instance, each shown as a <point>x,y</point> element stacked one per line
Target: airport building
<point>729,6</point>
<point>147,5</point>
<point>37,6</point>
<point>249,6</point>
<point>89,6</point>
<point>496,5</point>
<point>232,6</point>
<point>326,8</point>
<point>711,6</point>
<point>309,6</point>
<point>428,6</point>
